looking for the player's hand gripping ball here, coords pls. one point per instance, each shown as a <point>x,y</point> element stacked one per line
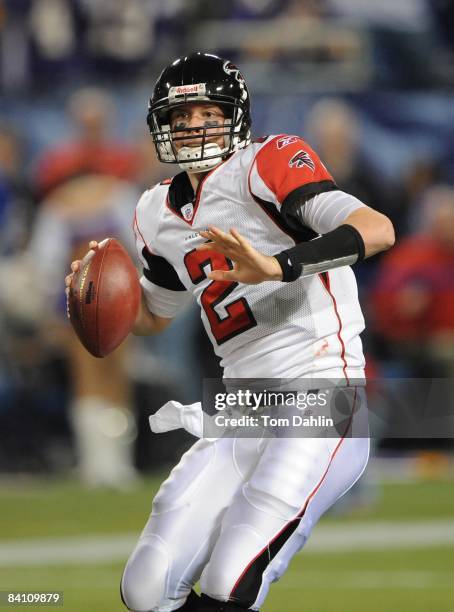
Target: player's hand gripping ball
<point>103,297</point>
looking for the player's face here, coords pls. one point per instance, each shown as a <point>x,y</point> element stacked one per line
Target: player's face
<point>188,120</point>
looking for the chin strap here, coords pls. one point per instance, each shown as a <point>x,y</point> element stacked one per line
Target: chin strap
<point>193,156</point>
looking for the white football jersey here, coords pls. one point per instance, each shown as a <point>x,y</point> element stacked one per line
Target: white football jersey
<point>306,328</point>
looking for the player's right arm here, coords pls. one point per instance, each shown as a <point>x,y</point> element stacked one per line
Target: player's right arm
<point>147,322</point>
<point>163,293</point>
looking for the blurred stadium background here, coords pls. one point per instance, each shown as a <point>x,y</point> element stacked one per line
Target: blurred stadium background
<point>371,86</point>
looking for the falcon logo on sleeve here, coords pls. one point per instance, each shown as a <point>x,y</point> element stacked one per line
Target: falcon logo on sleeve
<point>301,159</point>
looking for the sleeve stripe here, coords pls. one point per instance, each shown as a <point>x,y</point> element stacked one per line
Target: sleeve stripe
<point>301,193</point>
<point>161,273</point>
<point>163,302</point>
<point>297,232</point>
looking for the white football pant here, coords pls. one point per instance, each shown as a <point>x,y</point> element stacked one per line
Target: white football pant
<point>233,513</point>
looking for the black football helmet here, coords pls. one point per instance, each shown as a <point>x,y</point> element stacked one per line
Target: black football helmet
<point>199,77</point>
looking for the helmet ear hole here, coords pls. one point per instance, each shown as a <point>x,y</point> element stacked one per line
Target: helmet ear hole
<point>163,116</point>
<point>228,111</point>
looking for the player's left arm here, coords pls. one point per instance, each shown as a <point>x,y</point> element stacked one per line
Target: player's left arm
<point>375,228</point>
<point>349,232</point>
<point>288,174</point>
<point>363,232</point>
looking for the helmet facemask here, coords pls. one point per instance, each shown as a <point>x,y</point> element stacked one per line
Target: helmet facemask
<point>235,132</point>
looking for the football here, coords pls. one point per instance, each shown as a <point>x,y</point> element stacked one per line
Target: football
<point>104,298</point>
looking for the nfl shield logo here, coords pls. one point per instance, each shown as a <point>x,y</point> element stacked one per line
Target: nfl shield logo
<point>187,211</point>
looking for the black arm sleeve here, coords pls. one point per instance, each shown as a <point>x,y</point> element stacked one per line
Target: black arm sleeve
<point>341,247</point>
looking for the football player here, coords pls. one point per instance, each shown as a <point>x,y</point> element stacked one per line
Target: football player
<point>260,235</point>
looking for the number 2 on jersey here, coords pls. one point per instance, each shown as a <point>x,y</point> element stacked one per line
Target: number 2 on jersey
<point>239,315</point>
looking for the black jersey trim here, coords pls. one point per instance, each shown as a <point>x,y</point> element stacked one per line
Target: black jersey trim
<point>288,224</point>
<point>180,193</point>
<point>160,272</point>
<point>300,194</point>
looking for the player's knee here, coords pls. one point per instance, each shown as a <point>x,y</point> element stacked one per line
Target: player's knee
<point>218,582</point>
<point>269,502</point>
<point>144,579</point>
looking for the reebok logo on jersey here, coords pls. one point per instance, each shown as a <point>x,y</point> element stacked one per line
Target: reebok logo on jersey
<point>301,159</point>
<point>285,141</point>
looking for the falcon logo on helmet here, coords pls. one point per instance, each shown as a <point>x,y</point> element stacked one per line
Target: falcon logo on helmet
<point>231,69</point>
<point>200,77</point>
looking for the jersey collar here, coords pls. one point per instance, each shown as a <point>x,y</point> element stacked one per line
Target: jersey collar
<point>181,195</point>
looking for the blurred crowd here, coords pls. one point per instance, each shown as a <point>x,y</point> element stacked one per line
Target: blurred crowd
<point>409,43</point>
<point>81,180</point>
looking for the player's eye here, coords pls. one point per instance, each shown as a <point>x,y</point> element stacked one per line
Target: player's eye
<point>178,116</point>
<point>210,114</point>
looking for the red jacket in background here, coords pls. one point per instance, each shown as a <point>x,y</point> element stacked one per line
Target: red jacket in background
<point>421,269</point>
<point>77,158</point>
